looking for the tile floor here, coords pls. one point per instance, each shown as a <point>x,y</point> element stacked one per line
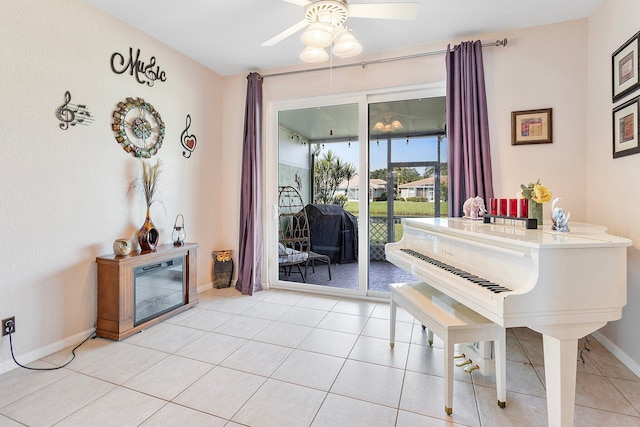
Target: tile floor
<point>291,359</point>
<point>381,273</point>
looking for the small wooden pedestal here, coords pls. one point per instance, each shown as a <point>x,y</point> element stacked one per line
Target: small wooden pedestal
<point>116,288</point>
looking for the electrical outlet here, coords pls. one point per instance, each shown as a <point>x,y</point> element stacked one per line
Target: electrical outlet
<point>8,325</point>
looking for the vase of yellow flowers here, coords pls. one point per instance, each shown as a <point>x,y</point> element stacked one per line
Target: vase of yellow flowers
<point>537,194</point>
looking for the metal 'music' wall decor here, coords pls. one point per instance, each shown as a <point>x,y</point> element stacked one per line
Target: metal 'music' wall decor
<point>71,114</point>
<point>137,67</point>
<point>188,141</point>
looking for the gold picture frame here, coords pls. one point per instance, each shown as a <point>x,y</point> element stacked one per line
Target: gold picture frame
<point>626,139</point>
<point>531,127</point>
<point>625,68</point>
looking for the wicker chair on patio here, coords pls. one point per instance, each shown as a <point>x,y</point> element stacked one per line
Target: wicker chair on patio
<point>294,237</point>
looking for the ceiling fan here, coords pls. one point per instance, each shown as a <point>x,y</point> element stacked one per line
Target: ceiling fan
<point>325,21</point>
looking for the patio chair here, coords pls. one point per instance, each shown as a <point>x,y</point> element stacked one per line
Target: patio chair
<point>294,238</point>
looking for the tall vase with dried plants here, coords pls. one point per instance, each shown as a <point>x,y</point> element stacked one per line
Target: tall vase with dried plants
<point>147,184</point>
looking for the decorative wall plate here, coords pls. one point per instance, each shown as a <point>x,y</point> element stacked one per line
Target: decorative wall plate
<point>138,127</point>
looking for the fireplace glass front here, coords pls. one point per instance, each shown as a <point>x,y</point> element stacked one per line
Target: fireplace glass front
<point>159,288</point>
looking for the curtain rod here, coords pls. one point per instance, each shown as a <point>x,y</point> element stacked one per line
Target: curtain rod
<point>363,64</point>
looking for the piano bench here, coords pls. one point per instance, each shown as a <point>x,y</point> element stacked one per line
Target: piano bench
<point>454,323</point>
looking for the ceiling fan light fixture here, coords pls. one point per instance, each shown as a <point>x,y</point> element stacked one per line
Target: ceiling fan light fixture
<point>388,125</point>
<point>332,12</point>
<point>317,35</point>
<point>329,19</point>
<point>314,55</point>
<point>329,16</point>
<point>346,45</point>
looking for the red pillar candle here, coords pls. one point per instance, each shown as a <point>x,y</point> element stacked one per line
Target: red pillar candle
<point>493,206</point>
<point>502,207</point>
<point>524,208</point>
<point>513,207</point>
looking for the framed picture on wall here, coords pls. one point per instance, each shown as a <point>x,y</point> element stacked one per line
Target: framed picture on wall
<point>625,128</point>
<point>625,68</point>
<point>531,127</point>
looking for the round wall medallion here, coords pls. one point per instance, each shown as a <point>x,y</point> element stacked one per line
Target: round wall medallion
<point>138,127</point>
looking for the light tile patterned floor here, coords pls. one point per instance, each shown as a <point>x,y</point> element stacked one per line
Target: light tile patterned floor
<point>381,273</point>
<point>283,358</point>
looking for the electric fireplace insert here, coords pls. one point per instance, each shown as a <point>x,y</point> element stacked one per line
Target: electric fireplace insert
<point>158,289</point>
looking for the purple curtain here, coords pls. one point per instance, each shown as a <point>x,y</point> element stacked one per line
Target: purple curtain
<point>250,237</point>
<point>469,152</point>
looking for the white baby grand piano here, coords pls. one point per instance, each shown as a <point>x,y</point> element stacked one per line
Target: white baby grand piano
<point>563,285</point>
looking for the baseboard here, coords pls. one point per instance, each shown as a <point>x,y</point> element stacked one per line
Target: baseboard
<point>205,287</point>
<point>617,352</point>
<point>209,286</point>
<point>41,352</point>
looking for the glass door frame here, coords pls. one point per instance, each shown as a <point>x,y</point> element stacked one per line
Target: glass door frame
<point>270,168</point>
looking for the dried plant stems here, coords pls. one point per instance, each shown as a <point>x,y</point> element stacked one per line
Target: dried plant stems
<point>148,182</point>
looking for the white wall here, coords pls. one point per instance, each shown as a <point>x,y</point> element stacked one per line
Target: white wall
<point>541,67</point>
<point>613,183</point>
<point>64,193</point>
<point>294,162</point>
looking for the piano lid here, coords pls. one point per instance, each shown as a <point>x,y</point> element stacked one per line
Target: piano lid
<point>581,235</point>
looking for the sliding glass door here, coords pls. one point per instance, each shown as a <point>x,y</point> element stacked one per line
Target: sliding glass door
<point>358,167</point>
<point>318,158</point>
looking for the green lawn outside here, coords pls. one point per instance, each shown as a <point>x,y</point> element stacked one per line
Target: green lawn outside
<point>400,208</point>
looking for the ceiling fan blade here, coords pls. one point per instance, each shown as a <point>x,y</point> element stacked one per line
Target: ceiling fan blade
<point>405,11</point>
<point>298,2</point>
<point>286,33</point>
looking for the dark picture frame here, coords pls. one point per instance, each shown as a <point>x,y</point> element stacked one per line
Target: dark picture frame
<point>531,127</point>
<point>626,138</point>
<point>625,68</point>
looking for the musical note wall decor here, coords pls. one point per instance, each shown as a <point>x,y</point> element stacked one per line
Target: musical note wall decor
<point>188,141</point>
<point>72,114</point>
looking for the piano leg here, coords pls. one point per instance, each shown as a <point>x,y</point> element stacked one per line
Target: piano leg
<point>449,344</point>
<point>560,360</point>
<point>392,322</point>
<point>501,369</point>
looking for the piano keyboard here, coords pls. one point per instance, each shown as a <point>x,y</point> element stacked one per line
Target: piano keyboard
<point>493,287</point>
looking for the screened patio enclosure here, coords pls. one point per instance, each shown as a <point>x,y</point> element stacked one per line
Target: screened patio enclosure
<point>397,169</point>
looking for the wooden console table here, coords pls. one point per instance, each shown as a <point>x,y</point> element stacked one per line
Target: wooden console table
<point>116,293</point>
